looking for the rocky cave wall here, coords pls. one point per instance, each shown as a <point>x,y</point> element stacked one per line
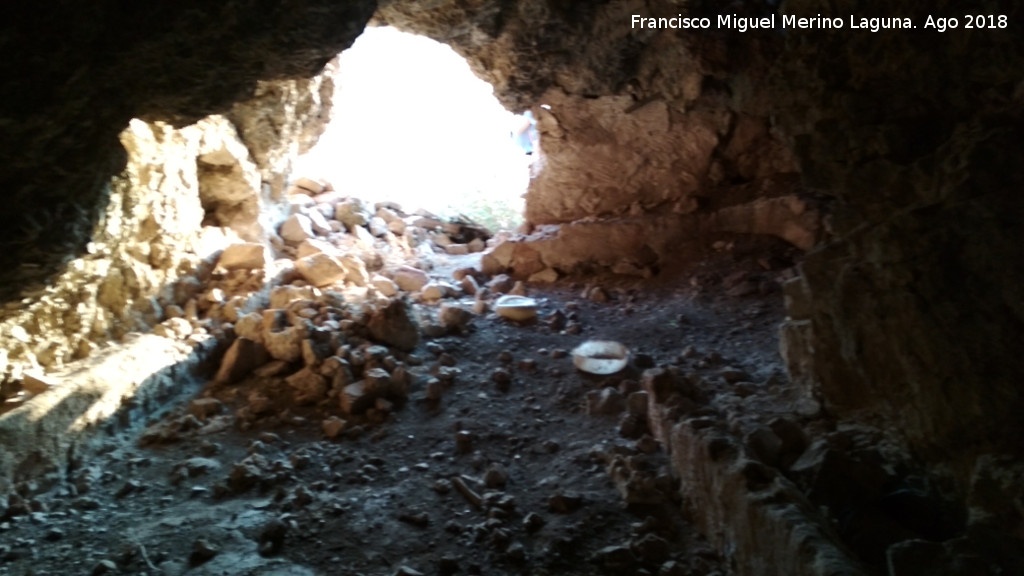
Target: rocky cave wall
<point>79,73</point>
<point>637,127</point>
<point>909,310</point>
<point>912,314</point>
<point>182,193</point>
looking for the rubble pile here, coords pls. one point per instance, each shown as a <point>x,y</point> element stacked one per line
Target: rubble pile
<point>331,322</point>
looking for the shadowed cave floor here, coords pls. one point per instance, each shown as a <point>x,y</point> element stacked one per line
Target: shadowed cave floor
<point>221,494</point>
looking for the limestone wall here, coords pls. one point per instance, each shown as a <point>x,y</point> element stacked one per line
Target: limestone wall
<point>181,191</point>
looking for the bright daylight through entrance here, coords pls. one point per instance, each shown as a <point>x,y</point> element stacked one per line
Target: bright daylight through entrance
<point>412,124</point>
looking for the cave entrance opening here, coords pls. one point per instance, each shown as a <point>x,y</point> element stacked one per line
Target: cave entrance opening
<point>412,124</point>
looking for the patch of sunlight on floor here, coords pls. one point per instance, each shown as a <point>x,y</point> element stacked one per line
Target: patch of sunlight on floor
<point>412,124</point>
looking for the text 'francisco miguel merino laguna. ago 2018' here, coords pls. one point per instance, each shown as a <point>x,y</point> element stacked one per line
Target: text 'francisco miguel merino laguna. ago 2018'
<point>744,23</point>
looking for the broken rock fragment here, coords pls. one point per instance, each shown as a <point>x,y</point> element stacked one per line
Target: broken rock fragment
<point>333,427</point>
<point>242,358</point>
<point>385,286</point>
<point>411,279</point>
<point>309,386</point>
<point>321,269</point>
<point>453,318</point>
<point>284,345</point>
<point>245,256</point>
<point>296,229</point>
<point>350,213</point>
<point>432,291</point>
<point>355,399</point>
<point>392,325</point>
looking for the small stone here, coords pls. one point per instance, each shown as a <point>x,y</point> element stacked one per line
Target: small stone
<point>350,213</point>
<point>917,558</point>
<point>616,559</point>
<point>673,568</point>
<point>463,442</point>
<point>202,551</point>
<point>533,522</point>
<point>35,383</point>
<point>448,374</point>
<point>393,326</point>
<point>516,553</point>
<point>607,401</point>
<point>419,519</point>
<point>383,405</point>
<point>333,427</point>
<point>316,246</point>
<point>321,269</point>
<point>453,317</point>
<point>407,571</point>
<point>546,276</point>
<point>733,375</point>
<point>745,288</point>
<point>396,227</point>
<point>411,279</point>
<point>247,256</point>
<point>104,567</point>
<point>502,379</point>
<point>308,186</point>
<point>128,488</point>
<point>271,537</point>
<point>495,477</point>
<point>432,291</point>
<point>565,503</point>
<point>480,307</point>
<point>597,294</point>
<point>448,566</point>
<point>200,466</point>
<point>765,445</point>
<point>442,486</point>
<point>385,286</point>
<point>271,369</point>
<point>377,382</point>
<point>434,390</point>
<point>500,284</point>
<point>647,444</point>
<point>354,399</point>
<point>296,229</point>
<point>240,360</point>
<point>469,285</point>
<point>309,386</point>
<point>462,273</point>
<point>378,227</point>
<point>637,403</point>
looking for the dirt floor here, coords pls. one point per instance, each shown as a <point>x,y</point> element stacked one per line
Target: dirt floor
<point>508,473</point>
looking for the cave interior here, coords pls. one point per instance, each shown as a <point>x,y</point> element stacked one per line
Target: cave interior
<point>813,236</point>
